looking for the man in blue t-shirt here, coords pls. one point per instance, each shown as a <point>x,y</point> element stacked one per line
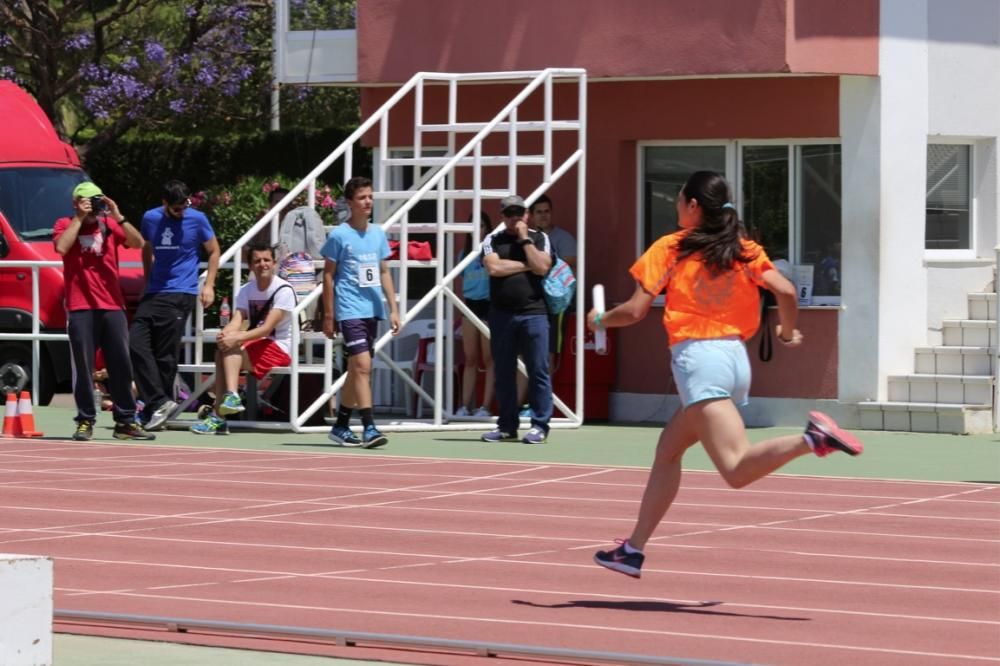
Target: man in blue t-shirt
<point>355,275</point>
<point>174,235</point>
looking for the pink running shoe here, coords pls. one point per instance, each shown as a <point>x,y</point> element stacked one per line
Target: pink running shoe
<point>826,436</point>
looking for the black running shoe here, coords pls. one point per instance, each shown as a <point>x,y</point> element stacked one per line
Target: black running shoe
<point>132,430</point>
<point>618,560</point>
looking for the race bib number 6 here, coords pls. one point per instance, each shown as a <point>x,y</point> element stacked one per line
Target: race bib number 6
<point>368,275</point>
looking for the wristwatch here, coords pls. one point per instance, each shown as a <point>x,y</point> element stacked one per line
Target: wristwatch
<point>524,241</point>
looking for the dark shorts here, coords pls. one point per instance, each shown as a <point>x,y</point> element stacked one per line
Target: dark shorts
<point>359,335</point>
<point>557,330</point>
<point>480,308</point>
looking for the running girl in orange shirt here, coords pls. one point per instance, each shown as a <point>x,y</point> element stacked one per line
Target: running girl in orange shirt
<point>711,274</point>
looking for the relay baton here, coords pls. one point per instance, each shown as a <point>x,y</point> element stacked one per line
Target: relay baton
<point>600,335</point>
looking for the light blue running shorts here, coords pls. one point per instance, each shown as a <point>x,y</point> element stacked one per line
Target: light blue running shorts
<point>711,369</point>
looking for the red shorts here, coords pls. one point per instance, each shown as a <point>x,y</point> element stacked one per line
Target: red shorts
<point>265,354</point>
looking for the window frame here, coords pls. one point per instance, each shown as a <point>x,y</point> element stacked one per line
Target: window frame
<point>934,254</point>
<point>734,174</point>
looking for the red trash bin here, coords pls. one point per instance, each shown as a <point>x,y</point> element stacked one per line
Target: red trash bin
<point>598,373</point>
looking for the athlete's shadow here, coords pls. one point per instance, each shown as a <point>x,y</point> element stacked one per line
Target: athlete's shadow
<point>697,608</point>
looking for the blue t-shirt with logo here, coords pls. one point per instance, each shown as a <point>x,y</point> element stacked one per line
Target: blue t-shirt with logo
<point>358,280</point>
<point>475,280</point>
<point>177,245</point>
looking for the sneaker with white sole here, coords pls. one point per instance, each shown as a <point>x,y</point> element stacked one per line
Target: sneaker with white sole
<point>343,436</point>
<point>211,425</point>
<point>498,435</point>
<point>482,412</point>
<point>160,415</point>
<point>372,438</point>
<point>621,561</point>
<point>231,404</point>
<point>462,411</point>
<point>825,436</point>
<point>535,436</point>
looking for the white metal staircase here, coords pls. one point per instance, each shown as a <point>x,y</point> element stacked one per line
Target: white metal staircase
<point>462,162</point>
<point>951,388</point>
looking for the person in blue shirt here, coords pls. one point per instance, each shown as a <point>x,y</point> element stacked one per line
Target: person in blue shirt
<point>475,345</point>
<point>174,236</point>
<point>355,275</point>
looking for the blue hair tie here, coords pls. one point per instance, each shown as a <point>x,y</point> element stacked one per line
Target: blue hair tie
<point>728,205</point>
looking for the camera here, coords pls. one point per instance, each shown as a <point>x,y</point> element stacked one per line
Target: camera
<point>97,204</point>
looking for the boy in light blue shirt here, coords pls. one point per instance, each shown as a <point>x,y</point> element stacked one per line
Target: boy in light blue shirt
<point>355,276</point>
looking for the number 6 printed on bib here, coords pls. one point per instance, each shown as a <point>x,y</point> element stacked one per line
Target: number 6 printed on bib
<point>368,275</point>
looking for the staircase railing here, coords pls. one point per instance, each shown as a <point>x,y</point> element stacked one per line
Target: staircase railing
<point>433,185</point>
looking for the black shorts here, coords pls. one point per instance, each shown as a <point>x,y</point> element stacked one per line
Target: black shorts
<point>359,335</point>
<point>480,308</point>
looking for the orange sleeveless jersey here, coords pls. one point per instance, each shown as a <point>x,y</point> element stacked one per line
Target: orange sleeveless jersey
<point>698,305</point>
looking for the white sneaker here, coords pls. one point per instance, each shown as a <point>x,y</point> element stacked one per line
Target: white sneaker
<point>462,411</point>
<point>482,412</point>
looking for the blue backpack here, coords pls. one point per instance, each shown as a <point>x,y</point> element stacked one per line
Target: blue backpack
<point>559,286</point>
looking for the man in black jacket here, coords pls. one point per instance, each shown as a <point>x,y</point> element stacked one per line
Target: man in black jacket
<point>517,259</point>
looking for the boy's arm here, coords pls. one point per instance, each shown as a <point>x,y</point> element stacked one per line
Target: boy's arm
<point>390,294</point>
<point>329,321</point>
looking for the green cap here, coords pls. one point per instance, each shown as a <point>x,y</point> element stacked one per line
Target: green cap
<point>86,190</point>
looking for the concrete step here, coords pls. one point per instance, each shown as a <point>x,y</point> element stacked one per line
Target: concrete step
<point>926,417</point>
<point>954,360</point>
<point>983,307</point>
<point>941,389</point>
<point>969,333</point>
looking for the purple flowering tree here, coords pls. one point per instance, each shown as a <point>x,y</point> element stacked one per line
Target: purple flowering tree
<point>99,69</point>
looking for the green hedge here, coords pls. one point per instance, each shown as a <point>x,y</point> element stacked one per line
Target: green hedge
<point>133,170</point>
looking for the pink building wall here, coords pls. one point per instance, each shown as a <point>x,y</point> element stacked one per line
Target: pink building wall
<point>620,115</point>
<point>627,38</point>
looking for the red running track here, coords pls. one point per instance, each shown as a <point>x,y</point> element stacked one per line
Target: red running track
<point>793,570</point>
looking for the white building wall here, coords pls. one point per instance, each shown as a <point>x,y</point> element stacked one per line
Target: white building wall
<point>902,280</point>
<point>964,105</point>
<point>939,77</point>
<point>861,172</point>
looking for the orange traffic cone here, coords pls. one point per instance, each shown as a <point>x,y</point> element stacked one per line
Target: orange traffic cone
<point>25,416</point>
<point>11,424</point>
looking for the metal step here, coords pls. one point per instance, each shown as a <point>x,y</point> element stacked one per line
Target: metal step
<point>520,126</point>
<point>433,194</point>
<point>485,160</point>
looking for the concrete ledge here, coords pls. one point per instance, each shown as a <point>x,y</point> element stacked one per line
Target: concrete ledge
<point>25,610</point>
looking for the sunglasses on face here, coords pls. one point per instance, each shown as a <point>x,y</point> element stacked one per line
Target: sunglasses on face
<point>513,212</point>
<point>178,209</point>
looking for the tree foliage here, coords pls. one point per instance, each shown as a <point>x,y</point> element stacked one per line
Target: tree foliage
<point>100,68</point>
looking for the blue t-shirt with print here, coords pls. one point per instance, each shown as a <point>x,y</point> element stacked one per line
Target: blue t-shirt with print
<point>358,280</point>
<point>177,245</point>
<point>475,280</point>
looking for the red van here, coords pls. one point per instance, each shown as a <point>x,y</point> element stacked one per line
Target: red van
<point>38,172</point>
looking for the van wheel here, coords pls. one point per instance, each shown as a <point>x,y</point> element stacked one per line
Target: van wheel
<point>15,372</point>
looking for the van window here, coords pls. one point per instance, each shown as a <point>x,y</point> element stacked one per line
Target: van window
<point>33,199</point>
